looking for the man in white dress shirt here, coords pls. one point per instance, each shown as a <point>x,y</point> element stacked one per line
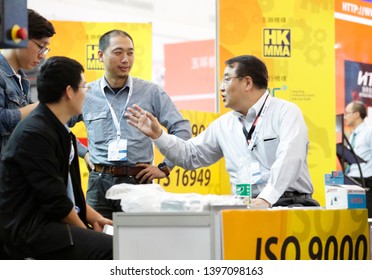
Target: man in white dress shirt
<point>271,132</point>
<point>361,140</point>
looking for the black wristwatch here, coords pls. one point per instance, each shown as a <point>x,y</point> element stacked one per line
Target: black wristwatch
<point>164,167</point>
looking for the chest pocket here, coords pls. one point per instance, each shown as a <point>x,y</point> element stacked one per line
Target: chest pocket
<point>97,125</point>
<point>14,100</point>
<point>266,150</point>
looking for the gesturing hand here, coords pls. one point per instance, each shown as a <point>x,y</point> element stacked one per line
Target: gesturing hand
<point>144,121</point>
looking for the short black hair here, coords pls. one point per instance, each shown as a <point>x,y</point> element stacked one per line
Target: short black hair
<point>249,65</point>
<point>104,41</point>
<point>55,75</point>
<point>38,26</point>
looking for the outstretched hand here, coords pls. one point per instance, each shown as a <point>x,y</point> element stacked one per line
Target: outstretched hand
<point>144,121</point>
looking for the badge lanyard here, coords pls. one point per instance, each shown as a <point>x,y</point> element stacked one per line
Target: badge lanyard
<point>251,136</point>
<point>114,118</point>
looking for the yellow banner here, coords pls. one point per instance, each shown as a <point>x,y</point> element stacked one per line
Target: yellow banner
<point>207,180</point>
<point>295,234</point>
<point>295,39</point>
<point>79,40</point>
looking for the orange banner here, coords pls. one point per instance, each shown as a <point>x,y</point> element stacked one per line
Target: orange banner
<point>353,21</point>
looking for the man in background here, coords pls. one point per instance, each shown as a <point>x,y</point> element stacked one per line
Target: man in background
<point>361,142</point>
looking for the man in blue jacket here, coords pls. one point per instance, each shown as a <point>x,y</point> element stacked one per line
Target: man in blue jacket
<point>15,102</point>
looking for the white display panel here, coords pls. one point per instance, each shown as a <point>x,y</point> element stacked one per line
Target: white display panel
<point>161,236</point>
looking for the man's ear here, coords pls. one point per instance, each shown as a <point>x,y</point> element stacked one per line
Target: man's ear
<point>69,92</point>
<point>249,82</point>
<point>100,56</point>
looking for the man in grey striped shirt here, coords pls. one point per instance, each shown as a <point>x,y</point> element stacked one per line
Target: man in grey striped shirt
<point>118,153</point>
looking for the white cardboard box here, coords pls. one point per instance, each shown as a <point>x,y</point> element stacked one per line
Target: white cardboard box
<point>345,197</point>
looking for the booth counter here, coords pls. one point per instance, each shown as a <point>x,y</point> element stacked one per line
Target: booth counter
<point>236,234</point>
<point>167,236</point>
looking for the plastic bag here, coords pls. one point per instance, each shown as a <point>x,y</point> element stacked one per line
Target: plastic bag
<point>153,198</point>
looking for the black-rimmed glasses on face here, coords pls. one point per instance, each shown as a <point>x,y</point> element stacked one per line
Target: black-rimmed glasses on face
<point>86,87</point>
<point>42,50</point>
<point>225,80</point>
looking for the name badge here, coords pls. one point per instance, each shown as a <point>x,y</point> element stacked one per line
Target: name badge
<point>256,172</point>
<point>117,150</point>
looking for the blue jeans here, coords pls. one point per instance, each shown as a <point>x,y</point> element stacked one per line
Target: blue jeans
<point>98,184</point>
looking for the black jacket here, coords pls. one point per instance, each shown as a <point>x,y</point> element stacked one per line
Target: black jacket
<point>33,178</point>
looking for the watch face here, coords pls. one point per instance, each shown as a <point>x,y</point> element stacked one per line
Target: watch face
<point>163,167</point>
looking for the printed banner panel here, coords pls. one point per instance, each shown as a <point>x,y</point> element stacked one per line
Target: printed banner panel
<point>296,41</point>
<point>207,180</point>
<point>189,75</point>
<point>295,234</point>
<point>358,82</point>
<point>353,21</point>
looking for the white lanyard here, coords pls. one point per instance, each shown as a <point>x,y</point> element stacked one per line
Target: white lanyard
<point>259,122</point>
<point>114,118</point>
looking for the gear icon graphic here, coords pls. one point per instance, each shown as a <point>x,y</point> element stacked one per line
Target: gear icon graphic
<point>314,54</point>
<point>302,33</point>
<point>320,35</point>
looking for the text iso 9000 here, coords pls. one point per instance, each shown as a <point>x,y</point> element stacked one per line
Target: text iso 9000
<point>233,270</point>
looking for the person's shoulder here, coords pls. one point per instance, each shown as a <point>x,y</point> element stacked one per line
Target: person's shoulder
<point>284,103</point>
<point>142,82</point>
<point>285,107</point>
<point>280,100</point>
<point>94,89</point>
<point>4,70</point>
<point>35,123</point>
<point>94,83</point>
<point>148,87</point>
<point>226,119</point>
<point>228,115</point>
<point>3,61</point>
<point>367,125</point>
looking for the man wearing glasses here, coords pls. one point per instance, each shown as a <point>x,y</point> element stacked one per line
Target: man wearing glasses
<point>270,132</point>
<point>43,212</point>
<point>361,142</point>
<point>15,102</point>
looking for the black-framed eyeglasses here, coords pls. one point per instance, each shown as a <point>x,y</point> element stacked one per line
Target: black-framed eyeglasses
<point>225,80</point>
<point>349,113</point>
<point>42,50</point>
<point>85,87</point>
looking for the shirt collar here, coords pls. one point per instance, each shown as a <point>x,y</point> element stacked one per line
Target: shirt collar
<point>68,129</point>
<point>104,83</point>
<point>8,69</point>
<point>359,127</point>
<point>253,111</point>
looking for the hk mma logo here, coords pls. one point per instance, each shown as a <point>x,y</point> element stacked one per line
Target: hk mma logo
<point>92,58</point>
<point>277,42</point>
